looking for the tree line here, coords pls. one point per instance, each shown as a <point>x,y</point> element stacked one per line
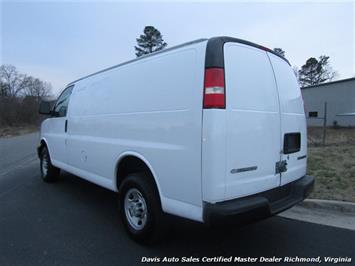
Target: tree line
<point>20,95</point>
<point>313,72</point>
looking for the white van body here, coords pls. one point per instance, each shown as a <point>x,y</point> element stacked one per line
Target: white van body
<point>203,159</point>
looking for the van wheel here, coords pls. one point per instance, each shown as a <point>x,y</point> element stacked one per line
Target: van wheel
<point>140,209</point>
<point>49,173</point>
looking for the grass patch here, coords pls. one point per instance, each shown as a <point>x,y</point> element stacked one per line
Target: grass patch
<point>333,167</point>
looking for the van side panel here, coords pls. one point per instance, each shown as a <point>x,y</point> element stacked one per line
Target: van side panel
<point>152,107</point>
<point>253,122</point>
<point>292,118</point>
<point>214,155</point>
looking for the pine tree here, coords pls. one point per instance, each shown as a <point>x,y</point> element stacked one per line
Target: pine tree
<point>149,42</point>
<point>279,51</point>
<point>315,71</point>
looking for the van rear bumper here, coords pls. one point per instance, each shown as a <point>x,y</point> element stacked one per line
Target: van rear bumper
<point>258,206</point>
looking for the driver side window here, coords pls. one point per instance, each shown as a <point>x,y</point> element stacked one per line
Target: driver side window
<point>61,106</point>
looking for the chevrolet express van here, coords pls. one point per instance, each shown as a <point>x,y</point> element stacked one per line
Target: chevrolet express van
<point>212,130</point>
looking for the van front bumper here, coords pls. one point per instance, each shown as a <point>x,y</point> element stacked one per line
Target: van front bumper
<point>258,206</point>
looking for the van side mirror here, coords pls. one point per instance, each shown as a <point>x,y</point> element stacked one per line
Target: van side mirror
<point>62,111</point>
<point>45,108</point>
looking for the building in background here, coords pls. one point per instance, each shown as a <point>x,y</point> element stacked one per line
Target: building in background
<point>340,98</point>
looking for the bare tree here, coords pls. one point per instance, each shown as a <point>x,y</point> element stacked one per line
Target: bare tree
<point>36,88</point>
<point>3,89</point>
<point>11,80</point>
<point>20,95</point>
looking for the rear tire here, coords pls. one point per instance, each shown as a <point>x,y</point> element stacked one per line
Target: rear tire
<point>140,209</point>
<point>49,173</point>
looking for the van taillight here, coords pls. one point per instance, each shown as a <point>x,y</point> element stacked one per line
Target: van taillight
<point>214,96</point>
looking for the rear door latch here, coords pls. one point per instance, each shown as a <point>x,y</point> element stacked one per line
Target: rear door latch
<point>281,167</point>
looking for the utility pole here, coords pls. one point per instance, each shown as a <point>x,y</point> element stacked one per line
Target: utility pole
<point>324,122</point>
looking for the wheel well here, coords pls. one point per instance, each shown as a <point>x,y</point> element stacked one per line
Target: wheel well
<point>43,143</point>
<point>41,146</point>
<point>129,165</point>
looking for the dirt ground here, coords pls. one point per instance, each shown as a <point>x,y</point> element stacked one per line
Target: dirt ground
<point>17,130</point>
<point>333,165</point>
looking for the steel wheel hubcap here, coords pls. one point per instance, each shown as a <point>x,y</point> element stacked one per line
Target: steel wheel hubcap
<point>135,209</point>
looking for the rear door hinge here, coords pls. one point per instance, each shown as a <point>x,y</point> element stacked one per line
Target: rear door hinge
<point>281,167</point>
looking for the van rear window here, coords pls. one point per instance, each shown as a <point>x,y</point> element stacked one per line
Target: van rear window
<point>292,143</point>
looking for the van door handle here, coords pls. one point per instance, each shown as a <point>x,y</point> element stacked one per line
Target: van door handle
<point>66,126</point>
<point>281,167</point>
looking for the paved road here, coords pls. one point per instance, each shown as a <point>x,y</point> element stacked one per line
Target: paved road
<point>73,222</point>
<point>17,151</point>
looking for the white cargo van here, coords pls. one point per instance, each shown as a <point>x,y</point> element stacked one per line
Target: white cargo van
<point>212,130</point>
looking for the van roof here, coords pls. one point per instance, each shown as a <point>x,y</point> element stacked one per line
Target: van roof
<point>140,58</point>
<point>214,53</point>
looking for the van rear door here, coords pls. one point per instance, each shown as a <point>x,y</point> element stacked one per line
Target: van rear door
<point>293,122</point>
<point>253,141</point>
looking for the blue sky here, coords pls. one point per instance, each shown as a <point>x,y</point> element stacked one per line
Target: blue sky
<point>59,41</point>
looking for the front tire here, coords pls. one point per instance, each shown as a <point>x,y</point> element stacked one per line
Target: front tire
<point>49,173</point>
<point>140,209</point>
